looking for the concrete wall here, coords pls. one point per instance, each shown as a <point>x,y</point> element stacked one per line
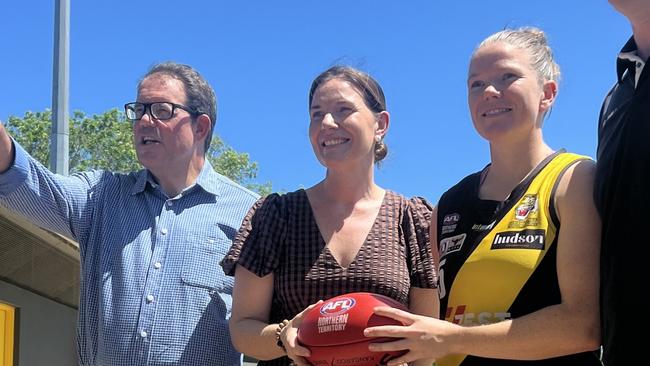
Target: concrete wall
<point>46,328</point>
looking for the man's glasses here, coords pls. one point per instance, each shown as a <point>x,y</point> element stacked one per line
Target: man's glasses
<point>159,110</point>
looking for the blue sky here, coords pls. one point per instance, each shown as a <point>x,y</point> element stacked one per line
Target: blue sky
<point>261,56</point>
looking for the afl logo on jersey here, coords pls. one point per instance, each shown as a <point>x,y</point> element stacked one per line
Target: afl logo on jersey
<point>451,219</point>
<point>449,223</point>
<point>339,306</point>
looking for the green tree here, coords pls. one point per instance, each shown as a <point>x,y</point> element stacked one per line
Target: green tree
<point>104,141</point>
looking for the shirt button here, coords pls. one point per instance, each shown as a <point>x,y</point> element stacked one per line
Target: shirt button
<point>150,298</point>
<point>170,203</point>
<point>143,334</point>
<point>157,265</point>
<point>163,231</point>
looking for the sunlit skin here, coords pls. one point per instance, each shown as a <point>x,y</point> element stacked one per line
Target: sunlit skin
<point>508,100</point>
<point>343,132</point>
<point>6,149</point>
<point>172,149</point>
<point>505,94</point>
<point>342,128</point>
<point>638,13</point>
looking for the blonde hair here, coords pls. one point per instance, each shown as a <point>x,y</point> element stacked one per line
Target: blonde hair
<point>532,40</point>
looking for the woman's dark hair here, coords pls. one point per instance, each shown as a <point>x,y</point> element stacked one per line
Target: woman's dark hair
<point>367,87</point>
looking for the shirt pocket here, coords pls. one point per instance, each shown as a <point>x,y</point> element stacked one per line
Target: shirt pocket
<point>201,262</point>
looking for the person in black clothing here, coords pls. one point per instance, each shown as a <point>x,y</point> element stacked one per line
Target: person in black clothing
<point>622,196</point>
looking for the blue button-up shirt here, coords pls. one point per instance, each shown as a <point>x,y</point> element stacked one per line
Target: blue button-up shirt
<point>152,290</point>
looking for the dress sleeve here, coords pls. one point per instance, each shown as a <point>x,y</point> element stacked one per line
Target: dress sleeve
<point>258,244</point>
<point>416,230</point>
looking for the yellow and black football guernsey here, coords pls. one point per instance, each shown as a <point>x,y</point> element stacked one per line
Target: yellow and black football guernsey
<point>497,259</point>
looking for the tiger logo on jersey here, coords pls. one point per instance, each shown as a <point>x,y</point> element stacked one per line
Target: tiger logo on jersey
<point>526,213</point>
<point>528,204</point>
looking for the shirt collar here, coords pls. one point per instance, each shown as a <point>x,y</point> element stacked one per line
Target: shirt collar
<point>627,59</point>
<point>208,179</point>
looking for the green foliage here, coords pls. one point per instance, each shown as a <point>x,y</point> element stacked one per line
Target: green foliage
<point>33,134</point>
<point>102,141</point>
<point>105,141</point>
<point>236,166</point>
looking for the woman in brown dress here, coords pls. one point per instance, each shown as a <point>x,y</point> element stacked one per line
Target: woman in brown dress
<point>344,234</point>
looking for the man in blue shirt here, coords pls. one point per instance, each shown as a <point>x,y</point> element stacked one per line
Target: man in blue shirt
<point>152,291</point>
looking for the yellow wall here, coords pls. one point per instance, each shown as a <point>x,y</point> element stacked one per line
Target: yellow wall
<point>7,319</point>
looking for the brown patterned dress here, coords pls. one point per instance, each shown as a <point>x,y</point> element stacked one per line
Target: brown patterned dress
<point>280,235</point>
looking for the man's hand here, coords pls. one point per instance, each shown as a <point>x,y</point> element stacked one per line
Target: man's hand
<point>6,149</point>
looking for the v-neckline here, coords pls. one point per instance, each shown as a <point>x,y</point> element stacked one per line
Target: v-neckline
<point>521,186</point>
<point>324,245</point>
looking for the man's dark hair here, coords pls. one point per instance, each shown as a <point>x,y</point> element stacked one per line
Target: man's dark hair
<point>199,94</point>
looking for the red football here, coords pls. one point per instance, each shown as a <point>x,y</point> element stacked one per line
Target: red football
<point>333,331</point>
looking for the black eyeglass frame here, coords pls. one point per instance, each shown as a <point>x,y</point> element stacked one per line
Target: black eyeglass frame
<point>147,106</point>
